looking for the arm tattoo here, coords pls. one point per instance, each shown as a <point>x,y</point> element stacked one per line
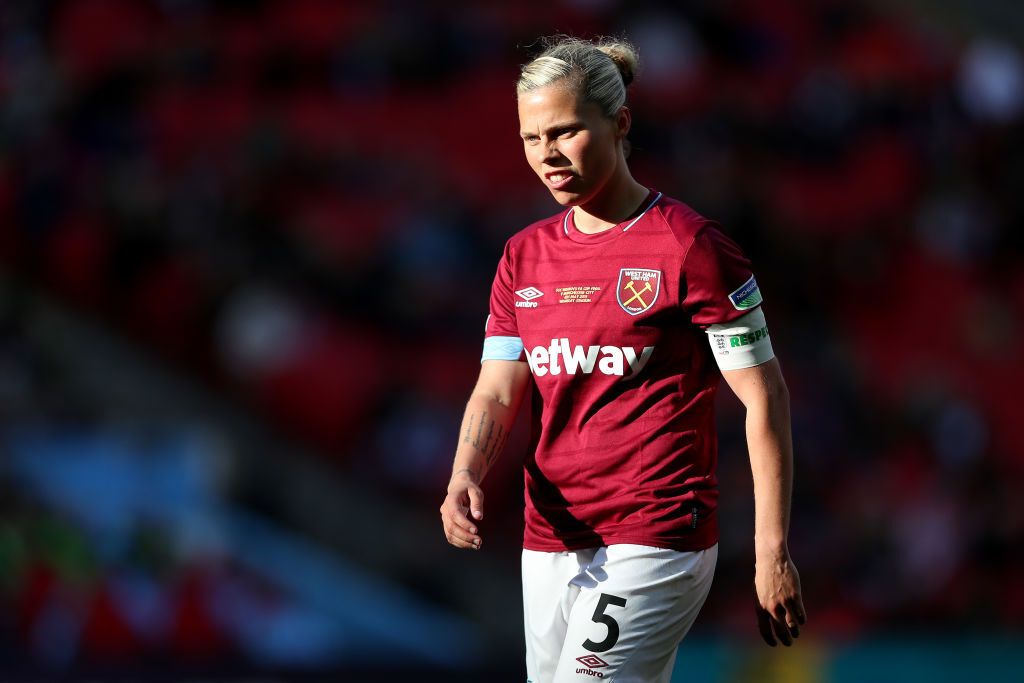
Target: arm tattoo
<point>485,438</point>
<point>490,433</point>
<point>499,445</point>
<point>480,430</point>
<point>467,469</point>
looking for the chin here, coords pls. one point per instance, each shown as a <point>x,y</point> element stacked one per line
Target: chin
<point>566,198</point>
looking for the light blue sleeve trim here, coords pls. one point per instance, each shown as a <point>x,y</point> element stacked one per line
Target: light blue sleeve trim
<point>502,348</point>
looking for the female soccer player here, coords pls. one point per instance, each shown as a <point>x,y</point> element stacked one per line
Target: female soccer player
<point>616,311</point>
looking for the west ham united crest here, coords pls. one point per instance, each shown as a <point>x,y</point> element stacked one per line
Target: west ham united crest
<point>638,289</point>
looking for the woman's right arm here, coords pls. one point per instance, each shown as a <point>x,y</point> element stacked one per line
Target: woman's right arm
<point>489,417</point>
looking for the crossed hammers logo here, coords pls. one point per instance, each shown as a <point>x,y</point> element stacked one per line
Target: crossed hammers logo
<point>631,286</point>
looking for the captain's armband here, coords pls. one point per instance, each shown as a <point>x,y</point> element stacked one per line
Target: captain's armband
<point>741,343</point>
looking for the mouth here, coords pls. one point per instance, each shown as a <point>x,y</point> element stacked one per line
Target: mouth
<point>558,179</point>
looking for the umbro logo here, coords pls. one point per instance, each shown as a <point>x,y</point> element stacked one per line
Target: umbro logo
<point>591,662</point>
<point>529,294</point>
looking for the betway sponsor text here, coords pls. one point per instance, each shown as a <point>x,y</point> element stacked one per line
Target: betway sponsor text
<point>559,357</point>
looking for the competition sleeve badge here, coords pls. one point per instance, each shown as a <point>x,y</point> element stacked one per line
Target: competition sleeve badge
<point>747,296</point>
<point>638,289</point>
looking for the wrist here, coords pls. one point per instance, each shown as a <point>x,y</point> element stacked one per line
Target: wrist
<point>770,548</point>
<point>464,474</point>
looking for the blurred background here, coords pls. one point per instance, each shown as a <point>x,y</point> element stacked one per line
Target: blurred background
<point>245,256</point>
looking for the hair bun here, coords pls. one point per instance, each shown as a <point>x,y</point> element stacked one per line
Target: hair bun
<point>625,57</point>
<point>598,70</point>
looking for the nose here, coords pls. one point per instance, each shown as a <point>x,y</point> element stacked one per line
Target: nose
<point>550,151</point>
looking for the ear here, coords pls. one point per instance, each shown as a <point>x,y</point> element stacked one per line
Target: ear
<point>623,122</point>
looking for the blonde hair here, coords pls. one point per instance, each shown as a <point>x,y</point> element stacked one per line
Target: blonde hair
<point>598,70</point>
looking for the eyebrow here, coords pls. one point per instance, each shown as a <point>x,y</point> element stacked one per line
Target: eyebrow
<point>573,123</point>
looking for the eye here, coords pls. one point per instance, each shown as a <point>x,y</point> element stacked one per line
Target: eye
<point>531,139</point>
<point>566,132</point>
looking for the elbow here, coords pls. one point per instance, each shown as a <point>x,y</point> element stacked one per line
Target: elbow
<point>776,397</point>
<point>778,391</point>
<point>501,398</point>
<point>777,403</point>
<point>767,391</point>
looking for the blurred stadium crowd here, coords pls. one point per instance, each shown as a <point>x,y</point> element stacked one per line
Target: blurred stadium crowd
<point>299,204</point>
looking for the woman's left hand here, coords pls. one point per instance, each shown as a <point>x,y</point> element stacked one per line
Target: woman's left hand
<point>777,599</point>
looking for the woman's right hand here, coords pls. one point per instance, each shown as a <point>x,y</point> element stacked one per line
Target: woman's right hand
<point>465,499</point>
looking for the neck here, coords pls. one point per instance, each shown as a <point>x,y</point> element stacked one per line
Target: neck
<point>614,204</point>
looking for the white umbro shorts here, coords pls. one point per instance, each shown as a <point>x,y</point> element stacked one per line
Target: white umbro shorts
<point>616,613</point>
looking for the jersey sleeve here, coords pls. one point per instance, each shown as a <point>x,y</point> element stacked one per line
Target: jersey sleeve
<point>718,284</point>
<point>501,333</point>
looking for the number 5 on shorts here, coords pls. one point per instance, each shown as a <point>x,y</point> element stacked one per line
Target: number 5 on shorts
<point>602,618</point>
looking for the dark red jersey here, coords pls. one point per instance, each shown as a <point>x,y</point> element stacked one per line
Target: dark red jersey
<point>623,446</point>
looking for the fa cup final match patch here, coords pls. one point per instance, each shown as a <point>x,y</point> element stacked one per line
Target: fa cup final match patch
<point>747,296</point>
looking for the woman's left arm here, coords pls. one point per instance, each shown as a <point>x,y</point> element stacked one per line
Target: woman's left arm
<point>778,601</point>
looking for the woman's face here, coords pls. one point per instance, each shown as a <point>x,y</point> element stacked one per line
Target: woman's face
<point>569,143</point>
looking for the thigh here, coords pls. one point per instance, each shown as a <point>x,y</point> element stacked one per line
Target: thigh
<point>634,606</point>
<point>548,596</point>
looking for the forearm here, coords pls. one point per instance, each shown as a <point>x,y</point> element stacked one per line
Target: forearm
<point>484,432</point>
<point>770,443</point>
